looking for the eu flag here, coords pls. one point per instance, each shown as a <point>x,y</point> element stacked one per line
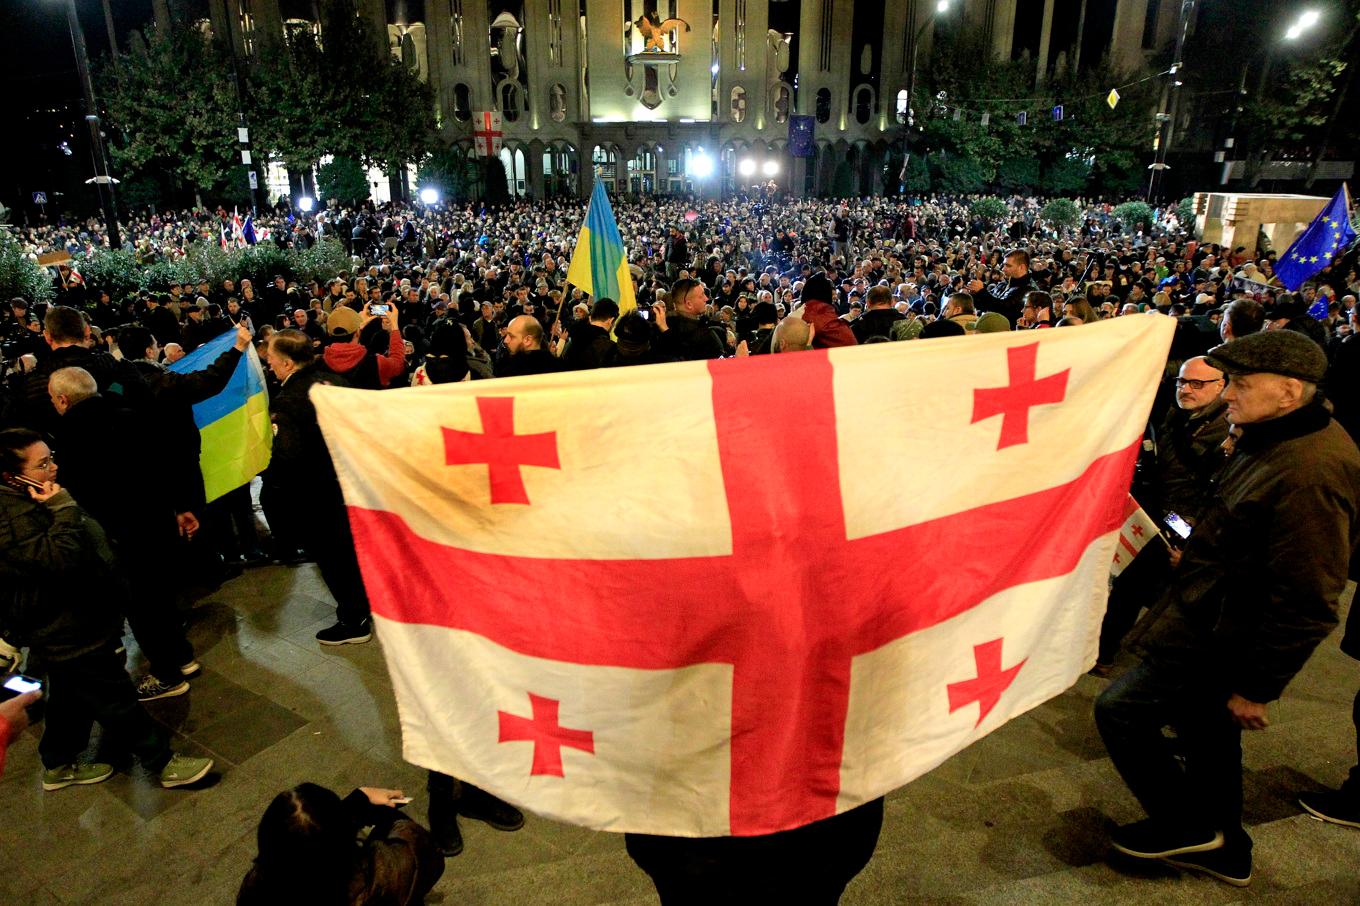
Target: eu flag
<point>1327,236</point>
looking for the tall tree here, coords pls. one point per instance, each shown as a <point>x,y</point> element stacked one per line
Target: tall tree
<point>172,100</point>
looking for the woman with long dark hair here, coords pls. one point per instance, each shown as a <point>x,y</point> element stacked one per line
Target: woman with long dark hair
<point>310,851</point>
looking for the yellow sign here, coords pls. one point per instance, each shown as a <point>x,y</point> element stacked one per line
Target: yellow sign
<point>1112,98</point>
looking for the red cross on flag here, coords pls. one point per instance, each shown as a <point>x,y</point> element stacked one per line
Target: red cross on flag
<point>1138,529</point>
<point>486,133</point>
<point>739,596</point>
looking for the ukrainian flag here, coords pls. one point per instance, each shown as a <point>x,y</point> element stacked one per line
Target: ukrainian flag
<point>234,425</point>
<point>599,265</point>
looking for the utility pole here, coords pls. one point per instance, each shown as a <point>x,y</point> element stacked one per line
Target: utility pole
<point>103,181</point>
<point>1166,118</point>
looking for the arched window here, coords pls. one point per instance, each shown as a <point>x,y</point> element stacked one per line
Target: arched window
<point>509,92</point>
<point>462,103</point>
<point>824,105</point>
<point>903,106</point>
<point>738,104</point>
<point>783,100</point>
<point>864,104</point>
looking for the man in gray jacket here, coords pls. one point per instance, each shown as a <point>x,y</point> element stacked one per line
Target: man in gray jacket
<point>1256,590</point>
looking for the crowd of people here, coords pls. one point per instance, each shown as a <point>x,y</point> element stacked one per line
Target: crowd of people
<point>1249,444</point>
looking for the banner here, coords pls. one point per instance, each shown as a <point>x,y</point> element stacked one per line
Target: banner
<point>802,132</point>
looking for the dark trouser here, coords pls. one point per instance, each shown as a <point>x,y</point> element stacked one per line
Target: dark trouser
<point>335,557</point>
<point>95,687</point>
<point>1206,792</point>
<point>1137,587</point>
<point>151,611</point>
<point>809,865</point>
<point>284,523</point>
<point>1352,785</point>
<point>230,524</point>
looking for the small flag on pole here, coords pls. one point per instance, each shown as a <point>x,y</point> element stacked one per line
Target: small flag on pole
<point>1137,531</point>
<point>248,230</point>
<point>1112,98</point>
<point>1330,234</point>
<point>599,264</point>
<point>1058,114</point>
<point>1022,118</point>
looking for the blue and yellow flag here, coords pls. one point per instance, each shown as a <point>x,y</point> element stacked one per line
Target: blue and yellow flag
<point>1327,236</point>
<point>599,265</point>
<point>234,425</point>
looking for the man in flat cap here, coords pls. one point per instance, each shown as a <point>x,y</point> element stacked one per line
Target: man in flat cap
<point>1256,590</point>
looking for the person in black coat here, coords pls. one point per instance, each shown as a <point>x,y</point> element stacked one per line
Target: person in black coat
<point>1006,298</point>
<point>301,488</point>
<point>589,344</point>
<point>524,352</point>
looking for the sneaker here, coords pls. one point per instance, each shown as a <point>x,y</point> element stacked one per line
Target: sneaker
<point>479,805</point>
<point>72,774</point>
<point>190,670</point>
<point>1231,865</point>
<point>342,634</point>
<point>1333,807</point>
<point>183,769</point>
<point>1150,839</point>
<point>150,689</point>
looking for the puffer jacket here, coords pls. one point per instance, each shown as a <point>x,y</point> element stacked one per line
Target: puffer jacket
<point>59,590</point>
<point>1258,584</point>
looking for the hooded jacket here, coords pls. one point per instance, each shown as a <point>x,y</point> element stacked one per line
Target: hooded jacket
<point>346,359</point>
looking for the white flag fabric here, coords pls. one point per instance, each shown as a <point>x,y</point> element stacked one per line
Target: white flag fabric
<point>1138,529</point>
<point>740,596</point>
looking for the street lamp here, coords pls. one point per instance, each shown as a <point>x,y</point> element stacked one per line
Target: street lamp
<point>429,196</point>
<point>1305,21</point>
<point>306,203</point>
<point>103,180</point>
<point>940,8</point>
<point>701,165</point>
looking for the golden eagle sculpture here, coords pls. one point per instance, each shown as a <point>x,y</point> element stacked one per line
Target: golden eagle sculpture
<point>654,31</point>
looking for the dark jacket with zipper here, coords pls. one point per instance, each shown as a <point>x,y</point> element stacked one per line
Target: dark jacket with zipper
<point>1258,584</point>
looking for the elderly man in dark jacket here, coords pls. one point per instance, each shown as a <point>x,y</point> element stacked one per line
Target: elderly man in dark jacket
<point>301,486</point>
<point>1256,590</point>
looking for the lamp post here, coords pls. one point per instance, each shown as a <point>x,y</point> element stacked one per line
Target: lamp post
<point>103,180</point>
<point>941,6</point>
<point>1166,118</point>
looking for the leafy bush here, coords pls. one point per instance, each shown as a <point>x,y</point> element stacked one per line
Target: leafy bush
<point>20,275</point>
<point>918,174</point>
<point>260,262</point>
<point>1133,216</point>
<point>1185,212</point>
<point>1067,174</point>
<point>1061,212</point>
<point>990,209</point>
<point>322,261</point>
<point>116,272</point>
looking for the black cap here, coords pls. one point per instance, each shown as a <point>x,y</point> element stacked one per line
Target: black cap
<point>1285,352</point>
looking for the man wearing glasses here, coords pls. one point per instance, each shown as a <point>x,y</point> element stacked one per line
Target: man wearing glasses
<point>1255,591</point>
<point>1179,459</point>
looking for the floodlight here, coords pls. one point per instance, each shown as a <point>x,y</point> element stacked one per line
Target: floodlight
<point>770,168</point>
<point>747,167</point>
<point>701,165</point>
<point>306,203</point>
<point>429,195</point>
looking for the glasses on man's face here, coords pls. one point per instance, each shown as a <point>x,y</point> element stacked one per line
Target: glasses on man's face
<point>1194,384</point>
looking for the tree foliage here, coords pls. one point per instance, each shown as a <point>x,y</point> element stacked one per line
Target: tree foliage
<point>172,102</point>
<point>343,179</point>
<point>990,209</point>
<point>1133,216</point>
<point>449,169</point>
<point>1091,149</point>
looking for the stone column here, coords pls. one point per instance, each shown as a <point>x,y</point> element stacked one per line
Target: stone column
<point>533,170</point>
<point>1045,33</point>
<point>1126,39</point>
<point>1003,29</point>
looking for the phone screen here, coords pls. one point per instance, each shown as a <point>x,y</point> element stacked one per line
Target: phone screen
<point>645,313</point>
<point>1178,525</point>
<point>18,684</point>
<point>378,309</point>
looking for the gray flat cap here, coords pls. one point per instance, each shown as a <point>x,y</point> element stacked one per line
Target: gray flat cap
<point>1285,352</point>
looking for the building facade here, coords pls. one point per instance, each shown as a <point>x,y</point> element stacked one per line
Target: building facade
<point>669,96</point>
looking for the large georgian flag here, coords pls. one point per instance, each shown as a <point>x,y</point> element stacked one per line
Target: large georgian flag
<point>735,597</point>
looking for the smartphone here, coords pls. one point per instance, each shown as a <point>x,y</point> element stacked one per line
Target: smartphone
<point>378,310</point>
<point>398,802</point>
<point>19,483</point>
<point>1177,525</point>
<point>17,684</point>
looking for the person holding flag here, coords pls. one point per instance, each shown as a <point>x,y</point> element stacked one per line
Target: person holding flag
<point>1328,236</point>
<point>599,264</point>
